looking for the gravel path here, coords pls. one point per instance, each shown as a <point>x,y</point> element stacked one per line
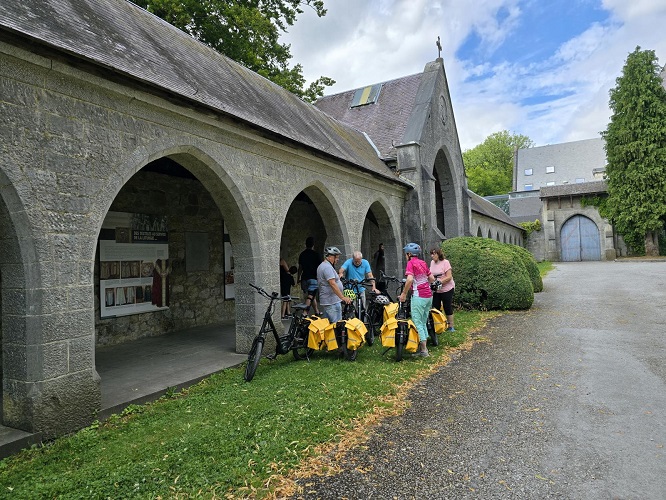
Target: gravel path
<point>566,400</point>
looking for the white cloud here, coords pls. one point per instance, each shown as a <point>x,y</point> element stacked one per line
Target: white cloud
<point>359,43</point>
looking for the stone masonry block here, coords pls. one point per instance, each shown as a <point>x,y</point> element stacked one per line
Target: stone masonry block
<point>14,361</point>
<point>80,297</point>
<point>20,329</point>
<point>47,361</point>
<point>82,353</point>
<point>66,404</point>
<point>68,325</point>
<point>17,409</point>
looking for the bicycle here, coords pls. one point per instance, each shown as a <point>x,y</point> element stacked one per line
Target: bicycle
<point>295,340</point>
<point>374,314</point>
<point>356,308</point>
<point>403,315</point>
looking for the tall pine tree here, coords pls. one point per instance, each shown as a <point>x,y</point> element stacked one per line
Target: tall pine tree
<point>636,153</point>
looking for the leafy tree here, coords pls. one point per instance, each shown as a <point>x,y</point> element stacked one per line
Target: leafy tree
<point>489,166</point>
<point>636,153</point>
<point>248,32</point>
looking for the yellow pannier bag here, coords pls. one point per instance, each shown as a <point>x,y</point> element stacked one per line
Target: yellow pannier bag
<point>438,320</point>
<point>356,331</point>
<point>390,311</point>
<point>317,335</point>
<point>387,332</point>
<point>412,337</point>
<point>329,337</point>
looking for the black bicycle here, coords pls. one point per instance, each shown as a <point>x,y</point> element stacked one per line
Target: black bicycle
<point>356,308</point>
<point>374,314</point>
<point>403,314</point>
<point>294,340</point>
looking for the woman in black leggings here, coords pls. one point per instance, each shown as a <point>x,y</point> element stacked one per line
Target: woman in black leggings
<point>440,266</point>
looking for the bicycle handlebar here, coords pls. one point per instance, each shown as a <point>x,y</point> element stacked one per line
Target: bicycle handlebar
<point>385,276</point>
<point>263,292</point>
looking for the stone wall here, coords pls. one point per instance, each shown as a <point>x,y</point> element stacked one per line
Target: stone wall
<point>72,144</point>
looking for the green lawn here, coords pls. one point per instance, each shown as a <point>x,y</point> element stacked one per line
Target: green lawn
<point>222,435</point>
<point>544,267</point>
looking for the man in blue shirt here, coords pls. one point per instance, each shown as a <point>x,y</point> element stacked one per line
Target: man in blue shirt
<point>357,268</point>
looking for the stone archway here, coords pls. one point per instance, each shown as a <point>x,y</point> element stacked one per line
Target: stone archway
<point>448,213</point>
<point>220,194</point>
<point>379,228</point>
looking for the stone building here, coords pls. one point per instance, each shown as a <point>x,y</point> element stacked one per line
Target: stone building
<point>573,230</point>
<point>550,184</point>
<point>145,180</point>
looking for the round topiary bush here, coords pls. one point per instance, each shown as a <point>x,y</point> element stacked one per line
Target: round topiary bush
<point>487,274</point>
<point>530,265</point>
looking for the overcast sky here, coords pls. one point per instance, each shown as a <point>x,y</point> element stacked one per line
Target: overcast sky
<point>541,68</point>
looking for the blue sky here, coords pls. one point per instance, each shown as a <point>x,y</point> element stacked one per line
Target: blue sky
<point>534,67</point>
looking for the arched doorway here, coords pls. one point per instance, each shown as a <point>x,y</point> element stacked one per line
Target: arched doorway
<point>377,229</point>
<point>579,240</point>
<point>303,220</point>
<point>447,212</point>
<point>166,264</point>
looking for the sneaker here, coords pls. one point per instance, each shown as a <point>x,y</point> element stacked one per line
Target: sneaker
<point>451,329</point>
<point>421,354</point>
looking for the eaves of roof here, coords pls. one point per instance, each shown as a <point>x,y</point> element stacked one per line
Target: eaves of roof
<point>484,207</point>
<point>581,188</point>
<point>118,36</point>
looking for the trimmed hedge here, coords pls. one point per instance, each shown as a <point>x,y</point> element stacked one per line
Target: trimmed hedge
<point>530,265</point>
<point>489,275</point>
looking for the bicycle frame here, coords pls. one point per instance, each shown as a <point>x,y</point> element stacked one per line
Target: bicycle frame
<point>294,340</point>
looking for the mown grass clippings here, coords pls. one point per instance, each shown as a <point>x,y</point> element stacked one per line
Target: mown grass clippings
<point>225,438</point>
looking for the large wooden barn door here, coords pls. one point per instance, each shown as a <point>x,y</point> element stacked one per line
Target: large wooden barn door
<point>579,240</point>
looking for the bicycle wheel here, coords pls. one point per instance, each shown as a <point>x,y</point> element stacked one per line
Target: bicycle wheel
<point>432,335</point>
<point>350,354</point>
<point>253,358</point>
<point>400,341</point>
<point>370,335</point>
<point>302,353</point>
<point>370,325</point>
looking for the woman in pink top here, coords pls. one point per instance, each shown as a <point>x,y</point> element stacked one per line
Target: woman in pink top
<point>439,265</point>
<point>418,279</point>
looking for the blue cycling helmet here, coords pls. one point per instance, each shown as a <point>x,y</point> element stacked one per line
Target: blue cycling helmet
<point>412,248</point>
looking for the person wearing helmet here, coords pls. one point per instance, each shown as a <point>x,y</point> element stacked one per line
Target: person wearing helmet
<point>418,280</point>
<point>330,287</point>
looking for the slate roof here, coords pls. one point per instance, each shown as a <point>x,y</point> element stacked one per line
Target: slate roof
<point>385,121</point>
<point>592,187</point>
<point>123,38</point>
<point>484,207</point>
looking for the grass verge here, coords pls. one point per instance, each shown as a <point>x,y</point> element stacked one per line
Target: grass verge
<point>545,267</point>
<point>225,438</point>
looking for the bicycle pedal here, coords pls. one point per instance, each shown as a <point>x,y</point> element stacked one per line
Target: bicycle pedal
<point>271,356</point>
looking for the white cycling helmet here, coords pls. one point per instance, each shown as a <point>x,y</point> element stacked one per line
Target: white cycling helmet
<point>332,251</point>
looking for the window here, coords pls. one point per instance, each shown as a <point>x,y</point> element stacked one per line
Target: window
<point>580,180</point>
<point>366,95</point>
<point>528,171</point>
<point>550,183</point>
<point>528,187</point>
<point>550,170</point>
